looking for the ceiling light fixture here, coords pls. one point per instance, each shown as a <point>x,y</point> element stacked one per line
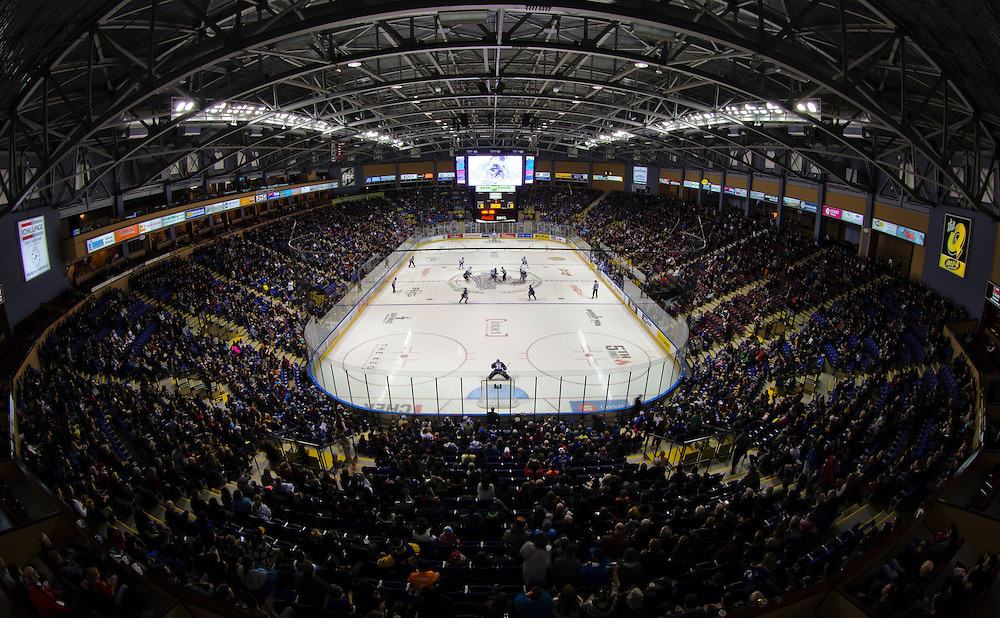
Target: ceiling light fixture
<point>354,64</point>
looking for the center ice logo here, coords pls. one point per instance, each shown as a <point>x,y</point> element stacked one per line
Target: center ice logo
<point>619,354</point>
<point>496,327</point>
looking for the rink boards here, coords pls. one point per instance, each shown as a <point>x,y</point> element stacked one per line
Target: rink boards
<point>419,351</point>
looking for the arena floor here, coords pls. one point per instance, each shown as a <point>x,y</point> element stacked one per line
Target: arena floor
<point>417,350</point>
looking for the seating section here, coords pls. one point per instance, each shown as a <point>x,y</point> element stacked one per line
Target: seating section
<point>153,404</point>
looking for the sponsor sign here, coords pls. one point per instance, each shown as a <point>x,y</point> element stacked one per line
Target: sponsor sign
<point>150,226</point>
<point>177,217</point>
<point>194,213</point>
<point>993,293</point>
<point>955,241</point>
<point>100,242</point>
<point>893,229</point>
<point>843,215</point>
<point>34,247</point>
<point>598,405</point>
<point>126,233</point>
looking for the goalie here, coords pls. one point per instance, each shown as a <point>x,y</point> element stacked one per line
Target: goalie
<point>499,369</point>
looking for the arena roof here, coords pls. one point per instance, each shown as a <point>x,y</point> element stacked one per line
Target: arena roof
<point>897,98</point>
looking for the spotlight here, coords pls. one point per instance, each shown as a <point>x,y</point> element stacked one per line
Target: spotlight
<point>642,65</point>
<point>354,64</point>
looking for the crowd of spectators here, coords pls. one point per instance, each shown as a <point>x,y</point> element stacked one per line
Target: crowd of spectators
<point>533,517</point>
<point>558,203</point>
<point>925,579</point>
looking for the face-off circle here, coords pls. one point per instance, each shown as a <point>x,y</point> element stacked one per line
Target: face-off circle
<point>401,355</point>
<point>482,282</point>
<point>565,354</point>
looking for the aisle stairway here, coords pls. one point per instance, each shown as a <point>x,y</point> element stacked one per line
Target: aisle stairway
<point>582,215</point>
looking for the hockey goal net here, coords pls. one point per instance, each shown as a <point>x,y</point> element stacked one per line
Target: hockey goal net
<point>499,394</point>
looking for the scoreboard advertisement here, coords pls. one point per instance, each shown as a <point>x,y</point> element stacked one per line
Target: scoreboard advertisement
<point>492,207</point>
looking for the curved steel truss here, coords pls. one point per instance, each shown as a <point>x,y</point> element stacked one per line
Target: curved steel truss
<point>117,106</point>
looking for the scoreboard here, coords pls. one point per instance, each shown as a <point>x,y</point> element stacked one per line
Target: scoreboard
<point>489,208</point>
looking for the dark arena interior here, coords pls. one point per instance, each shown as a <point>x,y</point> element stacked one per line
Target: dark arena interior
<point>427,309</point>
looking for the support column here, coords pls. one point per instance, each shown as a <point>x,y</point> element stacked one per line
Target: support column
<point>865,246</point>
<point>818,224</point>
<point>722,189</point>
<point>700,186</point>
<point>781,199</point>
<point>119,208</point>
<point>746,200</point>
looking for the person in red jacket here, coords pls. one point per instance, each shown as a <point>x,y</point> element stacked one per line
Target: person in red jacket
<point>43,598</point>
<point>829,472</point>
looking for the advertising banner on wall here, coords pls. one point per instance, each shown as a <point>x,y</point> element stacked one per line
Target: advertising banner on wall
<point>34,247</point>
<point>955,244</point>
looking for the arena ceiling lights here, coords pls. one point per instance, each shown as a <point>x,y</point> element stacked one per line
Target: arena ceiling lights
<point>894,118</point>
<point>226,112</point>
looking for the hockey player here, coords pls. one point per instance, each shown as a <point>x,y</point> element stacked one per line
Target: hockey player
<point>524,275</point>
<point>467,274</point>
<point>503,273</point>
<point>499,369</point>
<point>594,294</point>
<point>465,296</point>
<point>493,275</point>
<point>524,260</point>
<point>412,263</point>
<point>461,263</point>
<point>394,285</point>
<point>531,293</point>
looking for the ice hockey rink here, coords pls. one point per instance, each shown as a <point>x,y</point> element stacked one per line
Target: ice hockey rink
<point>417,350</point>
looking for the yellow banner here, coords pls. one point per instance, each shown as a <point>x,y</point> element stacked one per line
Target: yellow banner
<point>955,244</point>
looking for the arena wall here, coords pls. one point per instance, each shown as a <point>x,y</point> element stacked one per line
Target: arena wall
<point>22,297</point>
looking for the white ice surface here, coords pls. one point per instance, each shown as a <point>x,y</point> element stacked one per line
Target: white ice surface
<point>419,350</point>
